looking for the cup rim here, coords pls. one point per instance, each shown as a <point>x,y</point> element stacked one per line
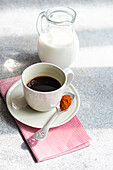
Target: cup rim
<point>44,63</point>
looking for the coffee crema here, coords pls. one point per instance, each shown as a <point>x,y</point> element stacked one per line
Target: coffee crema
<point>44,84</point>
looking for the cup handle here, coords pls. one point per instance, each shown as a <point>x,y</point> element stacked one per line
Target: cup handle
<point>39,26</point>
<point>70,75</point>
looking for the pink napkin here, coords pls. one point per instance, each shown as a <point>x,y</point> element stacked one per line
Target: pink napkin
<point>60,140</point>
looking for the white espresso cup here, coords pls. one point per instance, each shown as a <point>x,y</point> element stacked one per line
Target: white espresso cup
<point>44,101</point>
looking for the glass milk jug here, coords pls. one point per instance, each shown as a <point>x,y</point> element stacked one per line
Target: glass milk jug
<point>58,42</point>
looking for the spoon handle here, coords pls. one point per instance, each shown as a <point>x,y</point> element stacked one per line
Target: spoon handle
<point>42,133</point>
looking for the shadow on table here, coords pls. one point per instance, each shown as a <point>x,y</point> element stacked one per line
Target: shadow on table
<point>95,87</point>
<point>15,65</point>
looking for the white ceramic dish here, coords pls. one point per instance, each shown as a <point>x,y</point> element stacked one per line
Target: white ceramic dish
<point>33,118</point>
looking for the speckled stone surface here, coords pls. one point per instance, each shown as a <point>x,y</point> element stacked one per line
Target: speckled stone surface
<point>93,78</point>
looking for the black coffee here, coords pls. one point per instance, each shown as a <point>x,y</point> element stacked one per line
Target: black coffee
<point>44,84</point>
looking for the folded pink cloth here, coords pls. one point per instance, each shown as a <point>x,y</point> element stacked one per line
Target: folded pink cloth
<point>60,140</point>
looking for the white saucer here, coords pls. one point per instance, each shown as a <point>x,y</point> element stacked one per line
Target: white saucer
<point>34,118</point>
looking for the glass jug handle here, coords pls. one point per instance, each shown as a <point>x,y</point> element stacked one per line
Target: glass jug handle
<point>39,25</point>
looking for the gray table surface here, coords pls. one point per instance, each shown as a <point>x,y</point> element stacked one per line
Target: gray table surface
<point>93,78</point>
